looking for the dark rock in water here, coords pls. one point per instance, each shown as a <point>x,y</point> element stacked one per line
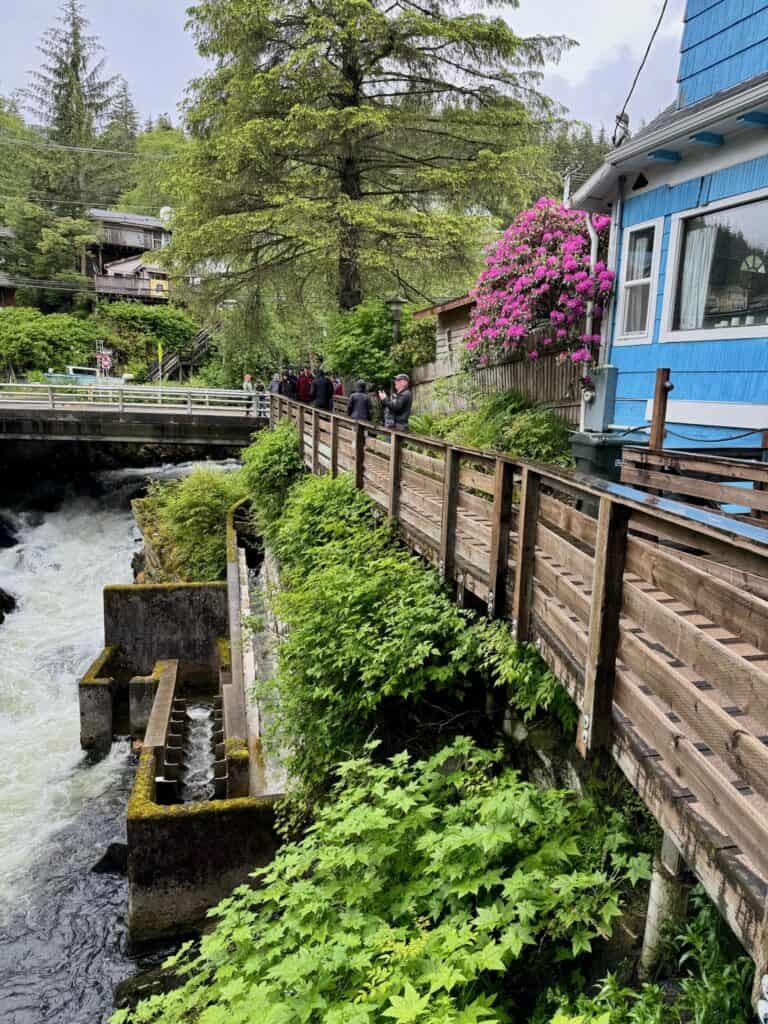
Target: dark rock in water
<point>8,538</point>
<point>7,604</point>
<point>114,860</point>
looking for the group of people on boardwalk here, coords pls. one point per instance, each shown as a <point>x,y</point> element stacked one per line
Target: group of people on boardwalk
<point>319,389</point>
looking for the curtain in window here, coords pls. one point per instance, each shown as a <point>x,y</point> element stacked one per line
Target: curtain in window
<point>694,283</point>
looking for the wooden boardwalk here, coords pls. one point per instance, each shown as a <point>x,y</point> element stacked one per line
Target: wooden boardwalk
<point>652,613</point>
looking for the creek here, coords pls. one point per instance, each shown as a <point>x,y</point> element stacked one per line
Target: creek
<point>63,943</point>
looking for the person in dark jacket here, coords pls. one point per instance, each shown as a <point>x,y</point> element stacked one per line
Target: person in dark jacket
<point>293,382</point>
<point>321,392</point>
<point>304,385</point>
<point>359,404</point>
<point>397,407</point>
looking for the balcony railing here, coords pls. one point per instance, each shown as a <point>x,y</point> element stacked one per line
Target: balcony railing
<point>135,287</point>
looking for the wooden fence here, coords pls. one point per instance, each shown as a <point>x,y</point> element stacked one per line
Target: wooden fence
<point>653,614</point>
<point>732,486</point>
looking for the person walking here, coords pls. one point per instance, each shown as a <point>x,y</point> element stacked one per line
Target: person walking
<point>274,384</point>
<point>291,382</point>
<point>397,407</point>
<point>359,404</point>
<point>321,392</point>
<point>338,387</point>
<point>304,385</point>
<point>249,390</point>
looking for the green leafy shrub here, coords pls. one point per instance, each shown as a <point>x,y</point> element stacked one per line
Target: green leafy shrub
<point>434,891</point>
<point>31,340</point>
<point>540,435</point>
<point>707,981</point>
<point>359,343</point>
<point>169,325</point>
<point>417,343</point>
<point>367,623</point>
<point>270,465</point>
<point>186,521</point>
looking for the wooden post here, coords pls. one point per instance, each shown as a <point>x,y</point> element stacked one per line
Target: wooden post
<point>759,485</point>
<point>528,513</point>
<point>667,903</point>
<point>660,395</point>
<point>605,609</point>
<point>359,456</point>
<point>315,440</point>
<point>334,446</point>
<point>447,558</point>
<point>272,414</point>
<point>395,462</point>
<point>500,527</point>
<point>301,433</point>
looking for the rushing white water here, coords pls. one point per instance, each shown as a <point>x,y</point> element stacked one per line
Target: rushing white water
<point>56,573</point>
<point>197,780</point>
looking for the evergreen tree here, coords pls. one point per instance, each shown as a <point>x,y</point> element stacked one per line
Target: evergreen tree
<point>73,100</point>
<point>357,141</point>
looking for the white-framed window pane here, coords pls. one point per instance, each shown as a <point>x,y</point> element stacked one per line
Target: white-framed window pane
<point>722,278</point>
<point>636,298</point>
<point>640,255</point>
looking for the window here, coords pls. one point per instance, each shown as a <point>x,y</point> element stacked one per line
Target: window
<point>638,285</point>
<point>722,284</point>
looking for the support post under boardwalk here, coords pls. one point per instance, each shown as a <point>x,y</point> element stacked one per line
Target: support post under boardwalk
<point>605,610</point>
<point>334,447</point>
<point>667,902</point>
<point>528,514</point>
<point>447,558</point>
<point>500,527</point>
<point>359,455</point>
<point>395,462</point>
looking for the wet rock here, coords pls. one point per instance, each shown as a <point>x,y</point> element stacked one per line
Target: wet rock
<point>7,604</point>
<point>8,537</point>
<point>114,861</point>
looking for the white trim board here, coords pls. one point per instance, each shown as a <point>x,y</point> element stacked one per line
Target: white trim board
<point>744,415</point>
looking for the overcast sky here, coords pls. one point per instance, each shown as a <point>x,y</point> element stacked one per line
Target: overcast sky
<point>145,41</point>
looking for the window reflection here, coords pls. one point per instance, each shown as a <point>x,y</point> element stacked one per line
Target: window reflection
<point>722,279</point>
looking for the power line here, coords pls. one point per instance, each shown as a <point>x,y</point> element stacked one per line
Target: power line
<point>12,140</point>
<point>621,115</point>
<point>40,201</point>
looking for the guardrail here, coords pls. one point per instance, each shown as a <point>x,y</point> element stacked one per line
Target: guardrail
<point>653,614</point>
<point>724,484</point>
<point>134,397</point>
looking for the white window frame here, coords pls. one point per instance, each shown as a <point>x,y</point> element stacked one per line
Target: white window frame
<point>644,337</point>
<point>667,334</point>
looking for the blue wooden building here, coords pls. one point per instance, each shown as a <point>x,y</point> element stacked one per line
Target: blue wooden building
<point>688,198</point>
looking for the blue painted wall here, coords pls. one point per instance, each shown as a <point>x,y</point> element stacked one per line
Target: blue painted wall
<point>719,370</point>
<point>724,43</point>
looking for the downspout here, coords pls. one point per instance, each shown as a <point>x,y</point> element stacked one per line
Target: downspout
<point>613,264</point>
<point>593,243</point>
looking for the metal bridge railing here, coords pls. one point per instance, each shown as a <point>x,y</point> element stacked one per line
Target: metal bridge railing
<point>134,397</point>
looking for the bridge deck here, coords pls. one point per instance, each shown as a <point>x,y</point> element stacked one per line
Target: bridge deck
<point>653,614</point>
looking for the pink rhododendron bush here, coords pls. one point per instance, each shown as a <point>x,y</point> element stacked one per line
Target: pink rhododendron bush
<point>538,276</point>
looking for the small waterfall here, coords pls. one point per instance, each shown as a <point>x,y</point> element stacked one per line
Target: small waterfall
<point>197,779</point>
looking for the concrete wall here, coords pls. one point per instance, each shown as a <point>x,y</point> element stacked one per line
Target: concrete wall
<point>166,620</point>
<point>184,858</point>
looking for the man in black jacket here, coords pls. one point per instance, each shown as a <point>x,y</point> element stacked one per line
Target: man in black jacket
<point>397,408</point>
<point>359,404</point>
<point>321,392</point>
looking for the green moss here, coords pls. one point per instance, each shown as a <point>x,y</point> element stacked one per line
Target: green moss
<point>129,587</point>
<point>235,749</point>
<point>224,652</point>
<point>142,806</point>
<point>96,675</point>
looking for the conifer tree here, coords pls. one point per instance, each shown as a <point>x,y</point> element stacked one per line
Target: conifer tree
<point>356,140</point>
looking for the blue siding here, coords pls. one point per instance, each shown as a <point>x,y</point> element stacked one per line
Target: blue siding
<point>724,43</point>
<point>719,370</point>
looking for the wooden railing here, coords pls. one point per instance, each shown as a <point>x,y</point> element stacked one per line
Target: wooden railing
<point>732,486</point>
<point>652,613</point>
